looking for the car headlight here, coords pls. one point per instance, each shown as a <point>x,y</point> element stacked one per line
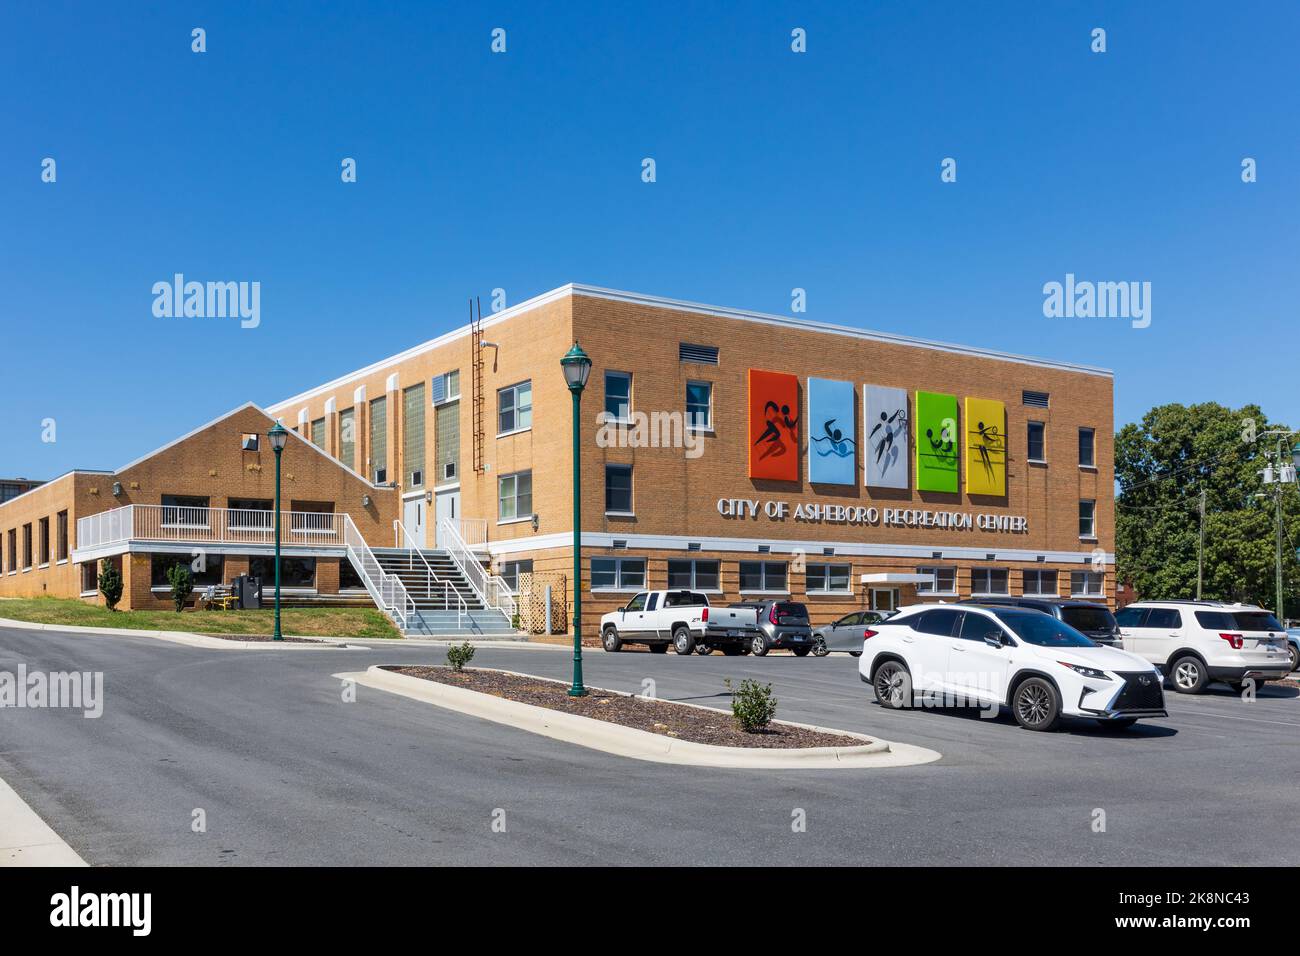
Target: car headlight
<point>1086,671</point>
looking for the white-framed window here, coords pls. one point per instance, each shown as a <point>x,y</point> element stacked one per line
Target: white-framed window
<point>944,580</point>
<point>515,496</point>
<point>1037,442</point>
<point>1087,448</point>
<point>445,387</point>
<point>699,405</point>
<point>757,576</point>
<point>1040,582</point>
<point>989,581</point>
<point>510,571</point>
<point>617,574</point>
<point>697,574</point>
<point>618,397</point>
<point>1087,583</point>
<point>514,408</point>
<point>618,489</point>
<point>1087,519</point>
<point>824,578</point>
<point>89,577</point>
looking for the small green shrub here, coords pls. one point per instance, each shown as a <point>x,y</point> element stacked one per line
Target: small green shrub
<point>458,655</point>
<point>110,583</point>
<point>752,704</point>
<point>182,582</point>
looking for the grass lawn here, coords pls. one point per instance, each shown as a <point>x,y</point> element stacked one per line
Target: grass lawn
<point>304,621</point>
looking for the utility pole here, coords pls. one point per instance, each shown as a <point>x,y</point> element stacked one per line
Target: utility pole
<point>1278,473</point>
<point>1277,497</point>
<point>1200,550</point>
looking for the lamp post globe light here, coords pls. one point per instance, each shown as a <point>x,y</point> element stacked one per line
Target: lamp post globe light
<point>577,367</point>
<point>278,436</point>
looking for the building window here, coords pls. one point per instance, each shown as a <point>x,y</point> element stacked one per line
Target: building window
<point>349,579</point>
<point>446,387</point>
<point>250,514</point>
<point>699,575</point>
<point>294,572</point>
<point>1087,448</point>
<point>318,433</point>
<point>311,517</point>
<point>514,408</point>
<point>348,437</point>
<point>762,576</point>
<point>1037,442</point>
<point>828,578</point>
<point>945,581</point>
<point>61,536</point>
<point>379,440</point>
<point>208,570</point>
<point>510,571</point>
<point>1087,519</point>
<point>185,511</point>
<point>13,550</point>
<point>617,574</point>
<point>1039,581</point>
<point>989,581</point>
<point>618,489</point>
<point>446,443</point>
<point>699,405</point>
<point>515,496</point>
<point>89,577</point>
<point>43,541</point>
<point>413,436</point>
<point>1088,584</point>
<point>618,397</point>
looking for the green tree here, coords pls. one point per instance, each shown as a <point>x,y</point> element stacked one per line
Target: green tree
<point>110,583</point>
<point>182,582</point>
<point>1162,464</point>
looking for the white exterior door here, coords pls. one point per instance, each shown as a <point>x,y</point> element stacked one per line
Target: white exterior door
<point>413,513</point>
<point>446,505</point>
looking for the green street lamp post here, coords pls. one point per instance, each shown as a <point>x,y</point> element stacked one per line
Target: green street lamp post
<point>577,366</point>
<point>278,435</point>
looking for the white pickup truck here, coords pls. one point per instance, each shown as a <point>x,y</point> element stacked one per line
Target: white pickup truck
<point>681,618</point>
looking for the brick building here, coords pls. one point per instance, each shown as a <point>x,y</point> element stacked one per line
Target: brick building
<point>729,451</point>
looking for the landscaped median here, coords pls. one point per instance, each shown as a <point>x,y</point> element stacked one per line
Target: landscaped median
<point>631,726</point>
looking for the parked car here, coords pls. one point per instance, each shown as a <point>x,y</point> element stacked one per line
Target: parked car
<point>1195,642</point>
<point>678,617</point>
<point>846,634</point>
<point>1094,621</point>
<point>782,624</point>
<point>1038,666</point>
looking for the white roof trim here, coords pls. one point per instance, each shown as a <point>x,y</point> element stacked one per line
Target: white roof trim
<point>330,405</point>
<point>390,384</point>
<point>302,416</point>
<point>682,305</point>
<point>358,395</point>
<point>46,484</point>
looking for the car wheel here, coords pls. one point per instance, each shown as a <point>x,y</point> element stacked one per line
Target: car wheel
<point>819,648</point>
<point>703,650</point>
<point>1294,651</point>
<point>732,650</point>
<point>683,640</point>
<point>611,640</point>
<point>893,685</point>
<point>1120,723</point>
<point>1036,705</point>
<point>759,646</point>
<point>1189,675</point>
<point>801,651</point>
<point>658,648</point>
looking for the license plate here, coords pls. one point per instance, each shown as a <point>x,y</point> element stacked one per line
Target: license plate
<point>733,633</point>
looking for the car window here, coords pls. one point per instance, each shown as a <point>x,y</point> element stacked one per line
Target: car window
<point>792,610</point>
<point>637,603</point>
<point>1130,616</point>
<point>975,627</point>
<point>848,620</point>
<point>872,617</point>
<point>653,602</point>
<point>1256,621</point>
<point>1043,630</point>
<point>941,623</point>
<point>1163,617</point>
<point>1215,620</point>
<point>1088,618</point>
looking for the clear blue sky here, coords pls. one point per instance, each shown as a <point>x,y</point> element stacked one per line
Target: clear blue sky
<point>522,171</point>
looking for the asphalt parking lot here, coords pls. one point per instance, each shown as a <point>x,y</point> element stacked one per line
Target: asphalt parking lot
<point>286,772</point>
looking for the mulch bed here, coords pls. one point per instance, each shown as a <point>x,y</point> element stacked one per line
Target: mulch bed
<point>695,724</point>
<point>259,638</point>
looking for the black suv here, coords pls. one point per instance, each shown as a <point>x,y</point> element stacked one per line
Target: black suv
<point>1094,621</point>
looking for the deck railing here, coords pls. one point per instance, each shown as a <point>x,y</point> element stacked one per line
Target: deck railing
<point>491,589</point>
<point>208,526</point>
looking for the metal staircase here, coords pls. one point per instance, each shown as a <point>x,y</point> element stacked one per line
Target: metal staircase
<point>442,602</point>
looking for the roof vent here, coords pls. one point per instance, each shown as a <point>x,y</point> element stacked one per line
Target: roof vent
<point>693,546</point>
<point>702,354</point>
<point>619,543</point>
<point>764,549</point>
<point>1035,399</point>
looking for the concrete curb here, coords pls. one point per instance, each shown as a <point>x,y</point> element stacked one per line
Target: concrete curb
<point>186,638</point>
<point>26,839</point>
<point>639,744</point>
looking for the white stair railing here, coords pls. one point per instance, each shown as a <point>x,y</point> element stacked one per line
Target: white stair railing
<point>491,589</point>
<point>451,594</point>
<point>387,589</point>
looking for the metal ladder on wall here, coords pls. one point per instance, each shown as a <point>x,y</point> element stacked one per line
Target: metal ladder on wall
<point>477,399</point>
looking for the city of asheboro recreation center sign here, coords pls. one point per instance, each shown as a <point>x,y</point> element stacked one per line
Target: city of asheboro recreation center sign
<point>816,513</point>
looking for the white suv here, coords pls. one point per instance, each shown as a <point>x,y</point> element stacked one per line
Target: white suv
<point>991,657</point>
<point>1195,642</point>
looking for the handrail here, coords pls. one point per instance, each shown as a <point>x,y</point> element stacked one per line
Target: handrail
<point>387,589</point>
<point>491,589</point>
<point>448,588</point>
<point>207,525</point>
